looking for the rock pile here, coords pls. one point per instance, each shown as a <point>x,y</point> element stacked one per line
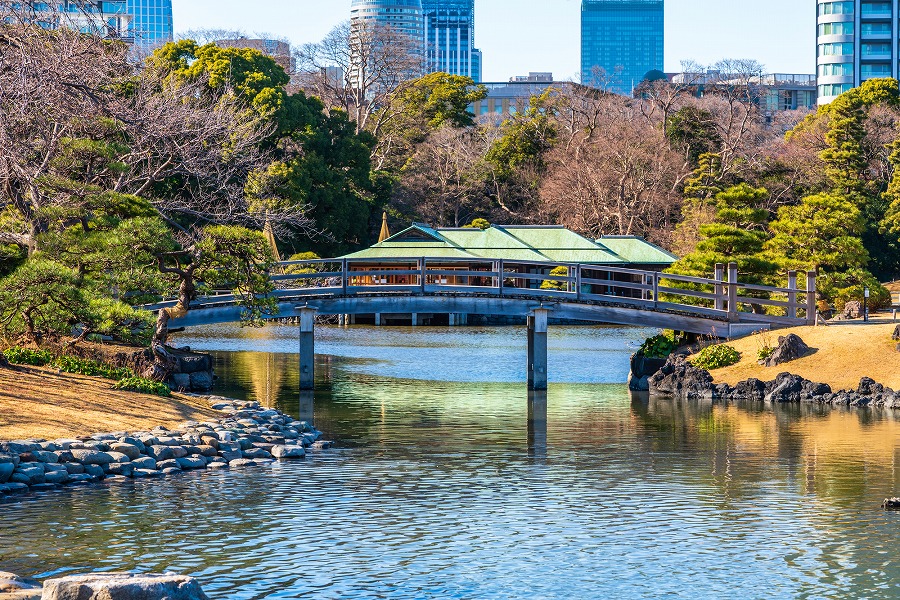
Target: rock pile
<point>680,379</point>
<point>246,435</point>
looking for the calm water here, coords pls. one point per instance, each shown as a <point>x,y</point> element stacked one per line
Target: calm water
<point>449,481</point>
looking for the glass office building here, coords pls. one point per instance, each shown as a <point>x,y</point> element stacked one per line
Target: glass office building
<point>151,24</point>
<point>621,40</point>
<point>450,38</point>
<point>855,41</point>
<point>402,15</point>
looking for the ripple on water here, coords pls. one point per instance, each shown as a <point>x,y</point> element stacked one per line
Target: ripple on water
<point>444,489</point>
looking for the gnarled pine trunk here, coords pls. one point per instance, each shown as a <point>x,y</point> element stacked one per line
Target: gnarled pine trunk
<point>163,362</point>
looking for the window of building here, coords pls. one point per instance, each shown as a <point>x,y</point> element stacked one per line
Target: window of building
<point>836,70</point>
<point>875,8</point>
<point>836,8</point>
<point>875,29</point>
<point>834,89</point>
<point>872,71</point>
<point>838,29</point>
<point>836,49</point>
<point>870,50</point>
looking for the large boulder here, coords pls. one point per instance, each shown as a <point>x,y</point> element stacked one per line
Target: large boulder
<point>896,335</point>
<point>680,379</point>
<point>123,586</point>
<point>790,347</point>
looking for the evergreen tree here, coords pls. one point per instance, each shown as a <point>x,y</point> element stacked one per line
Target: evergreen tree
<point>737,234</point>
<point>822,234</point>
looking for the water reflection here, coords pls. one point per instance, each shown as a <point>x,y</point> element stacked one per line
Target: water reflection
<point>447,488</point>
<point>537,424</point>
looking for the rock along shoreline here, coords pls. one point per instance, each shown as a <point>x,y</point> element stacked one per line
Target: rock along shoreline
<point>246,435</point>
<point>679,379</point>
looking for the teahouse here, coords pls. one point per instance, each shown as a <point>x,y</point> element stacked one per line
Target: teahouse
<point>536,250</point>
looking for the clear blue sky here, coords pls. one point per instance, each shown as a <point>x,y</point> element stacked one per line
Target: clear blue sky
<point>518,36</point>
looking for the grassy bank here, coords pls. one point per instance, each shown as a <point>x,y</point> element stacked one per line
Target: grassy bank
<point>843,354</point>
<point>38,402</point>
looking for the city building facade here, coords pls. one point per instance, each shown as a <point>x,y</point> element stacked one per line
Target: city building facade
<point>404,16</point>
<point>621,41</point>
<point>109,19</point>
<point>450,38</point>
<point>772,92</point>
<point>151,22</point>
<point>278,50</point>
<point>510,97</point>
<point>856,40</point>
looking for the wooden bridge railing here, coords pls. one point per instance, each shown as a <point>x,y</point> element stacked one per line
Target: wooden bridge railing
<point>722,297</point>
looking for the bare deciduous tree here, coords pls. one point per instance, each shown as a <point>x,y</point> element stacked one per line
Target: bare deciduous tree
<point>444,182</point>
<point>357,67</point>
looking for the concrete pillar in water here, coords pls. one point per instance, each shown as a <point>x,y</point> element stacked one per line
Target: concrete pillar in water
<point>307,348</point>
<point>537,349</point>
<point>414,317</point>
<point>377,319</point>
<point>451,319</point>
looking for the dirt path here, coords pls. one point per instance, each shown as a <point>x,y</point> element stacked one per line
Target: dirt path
<point>41,403</point>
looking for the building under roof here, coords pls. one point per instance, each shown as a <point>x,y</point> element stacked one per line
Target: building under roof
<point>527,243</point>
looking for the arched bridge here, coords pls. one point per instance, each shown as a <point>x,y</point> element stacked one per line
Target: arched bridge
<point>721,306</point>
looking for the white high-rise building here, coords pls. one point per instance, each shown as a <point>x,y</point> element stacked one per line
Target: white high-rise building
<point>856,40</point>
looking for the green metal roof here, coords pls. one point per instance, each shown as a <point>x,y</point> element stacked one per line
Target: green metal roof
<point>637,250</point>
<point>515,243</point>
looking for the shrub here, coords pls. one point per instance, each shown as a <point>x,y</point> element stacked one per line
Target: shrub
<point>92,368</point>
<point>25,356</point>
<point>716,357</point>
<point>557,285</point>
<point>764,352</point>
<point>660,346</point>
<point>143,386</point>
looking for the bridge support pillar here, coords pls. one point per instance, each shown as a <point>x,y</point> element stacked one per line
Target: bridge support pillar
<point>414,318</point>
<point>537,349</point>
<point>307,348</point>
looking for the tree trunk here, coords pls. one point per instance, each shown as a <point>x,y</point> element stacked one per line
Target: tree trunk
<point>163,362</point>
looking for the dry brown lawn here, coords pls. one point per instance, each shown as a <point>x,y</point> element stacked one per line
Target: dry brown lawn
<point>844,354</point>
<point>41,403</point>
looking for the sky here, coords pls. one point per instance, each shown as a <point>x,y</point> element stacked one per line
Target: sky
<point>521,36</point>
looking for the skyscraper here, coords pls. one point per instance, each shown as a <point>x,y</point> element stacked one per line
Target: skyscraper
<point>621,40</point>
<point>855,41</point>
<point>450,37</point>
<point>404,16</point>
<point>151,24</point>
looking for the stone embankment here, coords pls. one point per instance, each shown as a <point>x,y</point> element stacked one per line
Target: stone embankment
<point>680,379</point>
<point>246,435</point>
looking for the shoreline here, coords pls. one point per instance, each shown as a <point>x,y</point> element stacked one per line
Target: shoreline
<point>244,435</point>
<point>679,379</point>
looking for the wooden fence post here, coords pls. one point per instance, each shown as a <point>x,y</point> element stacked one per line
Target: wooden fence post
<point>656,277</point>
<point>792,295</point>
<point>719,288</point>
<point>732,291</point>
<point>578,282</point>
<point>811,306</point>
<point>422,267</point>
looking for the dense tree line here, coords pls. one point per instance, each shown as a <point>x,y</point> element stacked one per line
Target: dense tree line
<point>121,183</point>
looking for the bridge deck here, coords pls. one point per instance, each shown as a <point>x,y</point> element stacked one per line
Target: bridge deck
<point>722,306</point>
